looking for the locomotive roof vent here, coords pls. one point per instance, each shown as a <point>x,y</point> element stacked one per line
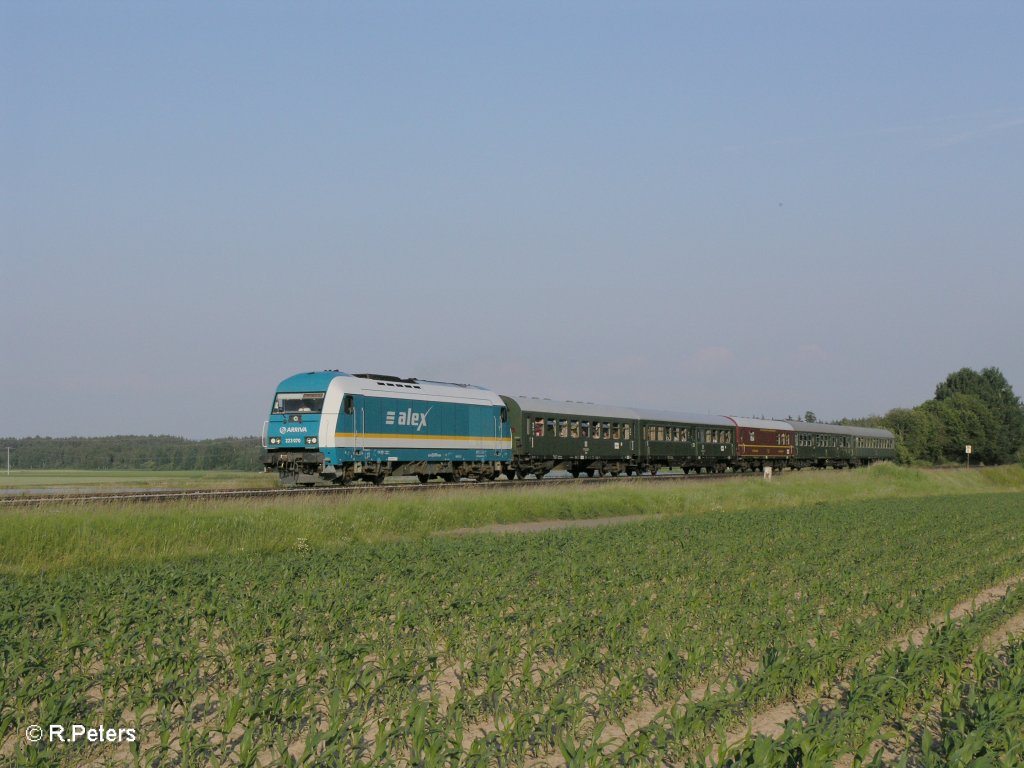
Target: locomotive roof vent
<point>384,377</point>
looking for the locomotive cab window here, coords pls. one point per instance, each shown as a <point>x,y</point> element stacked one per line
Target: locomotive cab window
<point>299,402</point>
<point>348,404</point>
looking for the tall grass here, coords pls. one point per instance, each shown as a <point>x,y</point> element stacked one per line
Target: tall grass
<point>36,540</point>
<point>69,479</point>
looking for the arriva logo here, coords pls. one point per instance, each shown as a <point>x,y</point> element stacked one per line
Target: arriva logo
<point>286,430</point>
<point>407,418</point>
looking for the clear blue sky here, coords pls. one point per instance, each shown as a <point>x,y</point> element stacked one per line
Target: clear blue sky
<point>745,208</point>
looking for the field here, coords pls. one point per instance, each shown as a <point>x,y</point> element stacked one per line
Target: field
<point>860,617</point>
<point>70,479</point>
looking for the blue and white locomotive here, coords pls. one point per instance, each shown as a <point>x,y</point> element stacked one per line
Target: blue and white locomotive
<point>339,427</point>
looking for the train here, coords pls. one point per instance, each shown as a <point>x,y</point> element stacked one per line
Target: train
<point>335,427</point>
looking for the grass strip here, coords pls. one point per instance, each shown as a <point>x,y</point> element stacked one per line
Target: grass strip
<point>60,537</point>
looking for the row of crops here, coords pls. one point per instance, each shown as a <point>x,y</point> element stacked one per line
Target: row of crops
<point>639,644</point>
<point>944,702</point>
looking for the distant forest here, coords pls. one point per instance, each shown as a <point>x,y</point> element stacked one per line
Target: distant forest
<point>158,452</point>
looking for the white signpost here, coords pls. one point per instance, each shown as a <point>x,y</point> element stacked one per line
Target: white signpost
<point>968,451</point>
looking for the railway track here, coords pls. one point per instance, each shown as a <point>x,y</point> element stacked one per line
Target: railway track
<point>145,497</point>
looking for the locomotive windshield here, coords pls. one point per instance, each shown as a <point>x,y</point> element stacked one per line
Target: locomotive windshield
<point>299,402</point>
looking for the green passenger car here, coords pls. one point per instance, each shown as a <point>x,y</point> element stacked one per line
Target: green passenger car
<point>870,445</point>
<point>583,438</point>
<point>829,445</point>
<point>691,442</point>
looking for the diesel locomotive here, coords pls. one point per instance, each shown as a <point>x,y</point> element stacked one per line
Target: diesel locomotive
<point>329,426</point>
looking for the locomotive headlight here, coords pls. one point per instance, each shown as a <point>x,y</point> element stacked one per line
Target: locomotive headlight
<point>310,441</point>
<point>275,441</point>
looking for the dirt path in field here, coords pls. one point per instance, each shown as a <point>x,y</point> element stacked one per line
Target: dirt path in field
<point>548,525</point>
<point>1014,627</point>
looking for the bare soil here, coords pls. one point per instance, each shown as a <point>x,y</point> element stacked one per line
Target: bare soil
<point>548,525</point>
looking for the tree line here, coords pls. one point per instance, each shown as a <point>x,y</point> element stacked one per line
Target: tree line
<point>975,408</point>
<point>156,452</point>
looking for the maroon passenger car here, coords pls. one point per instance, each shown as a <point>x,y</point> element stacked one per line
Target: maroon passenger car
<point>762,442</point>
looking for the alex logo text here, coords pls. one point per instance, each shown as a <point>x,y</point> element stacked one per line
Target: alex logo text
<point>407,418</point>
